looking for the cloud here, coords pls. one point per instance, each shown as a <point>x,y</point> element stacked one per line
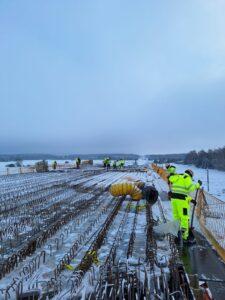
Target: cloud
<point>111,76</point>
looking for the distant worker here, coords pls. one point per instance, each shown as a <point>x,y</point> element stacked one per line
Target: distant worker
<point>170,169</point>
<point>181,186</point>
<point>121,163</point>
<point>78,162</point>
<point>114,164</point>
<point>54,165</point>
<point>106,163</point>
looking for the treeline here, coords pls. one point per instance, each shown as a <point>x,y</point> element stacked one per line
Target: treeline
<point>167,158</point>
<point>39,156</point>
<point>20,157</point>
<point>212,159</point>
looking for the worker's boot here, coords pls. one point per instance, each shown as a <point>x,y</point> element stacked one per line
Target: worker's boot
<point>190,240</point>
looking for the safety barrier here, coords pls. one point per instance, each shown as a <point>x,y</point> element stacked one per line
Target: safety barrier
<point>162,172</point>
<point>210,212</point>
<point>211,215</point>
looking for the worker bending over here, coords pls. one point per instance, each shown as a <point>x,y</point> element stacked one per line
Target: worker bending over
<point>182,185</point>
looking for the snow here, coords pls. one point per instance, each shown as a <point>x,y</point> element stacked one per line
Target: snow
<point>26,163</point>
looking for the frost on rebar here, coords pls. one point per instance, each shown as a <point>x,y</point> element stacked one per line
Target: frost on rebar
<point>63,236</point>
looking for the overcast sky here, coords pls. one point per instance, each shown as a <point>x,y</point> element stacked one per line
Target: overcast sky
<point>112,76</point>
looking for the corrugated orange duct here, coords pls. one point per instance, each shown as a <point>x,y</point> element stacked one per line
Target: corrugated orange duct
<point>125,189</point>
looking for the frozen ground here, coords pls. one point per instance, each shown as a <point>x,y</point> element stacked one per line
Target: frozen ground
<point>30,205</point>
<point>64,214</point>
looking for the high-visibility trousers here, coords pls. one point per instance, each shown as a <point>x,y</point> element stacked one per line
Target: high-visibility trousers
<point>180,211</point>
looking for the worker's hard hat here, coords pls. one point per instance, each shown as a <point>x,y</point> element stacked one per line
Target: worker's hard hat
<point>189,172</point>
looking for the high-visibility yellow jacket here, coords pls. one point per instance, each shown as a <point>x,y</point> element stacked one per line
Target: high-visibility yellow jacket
<point>171,170</point>
<point>182,184</point>
<point>106,161</point>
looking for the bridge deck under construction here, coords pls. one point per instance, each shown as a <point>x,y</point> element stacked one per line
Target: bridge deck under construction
<point>63,236</point>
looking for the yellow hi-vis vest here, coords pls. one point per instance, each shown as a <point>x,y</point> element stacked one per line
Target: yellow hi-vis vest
<point>183,184</point>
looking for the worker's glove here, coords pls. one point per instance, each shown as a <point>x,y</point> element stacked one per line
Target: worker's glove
<point>200,182</point>
<point>194,202</point>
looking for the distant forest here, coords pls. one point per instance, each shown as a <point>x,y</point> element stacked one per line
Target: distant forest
<point>212,159</point>
<point>39,156</point>
<point>167,158</point>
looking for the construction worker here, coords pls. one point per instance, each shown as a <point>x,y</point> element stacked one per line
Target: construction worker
<point>170,169</point>
<point>54,165</point>
<point>181,186</point>
<point>121,163</point>
<point>108,163</point>
<point>105,161</point>
<point>114,164</point>
<point>78,162</point>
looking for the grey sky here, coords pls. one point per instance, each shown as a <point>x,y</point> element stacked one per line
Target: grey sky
<point>112,76</point>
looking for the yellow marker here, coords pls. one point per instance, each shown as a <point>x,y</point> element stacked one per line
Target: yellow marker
<point>69,267</point>
<point>141,207</point>
<point>94,257</point>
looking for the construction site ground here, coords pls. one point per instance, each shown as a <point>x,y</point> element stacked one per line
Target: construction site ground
<point>63,236</point>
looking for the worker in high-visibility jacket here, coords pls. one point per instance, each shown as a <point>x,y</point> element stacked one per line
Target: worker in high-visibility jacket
<point>78,162</point>
<point>121,163</point>
<point>54,165</point>
<point>107,163</point>
<point>181,186</point>
<point>171,169</point>
<point>114,165</point>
